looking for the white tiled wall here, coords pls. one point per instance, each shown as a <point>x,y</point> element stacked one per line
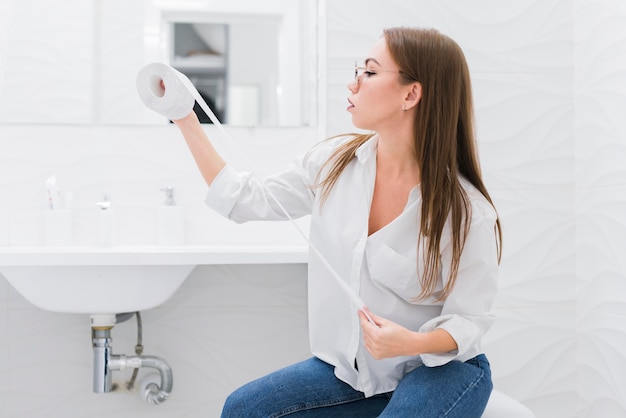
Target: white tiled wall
<point>550,89</point>
<point>600,81</point>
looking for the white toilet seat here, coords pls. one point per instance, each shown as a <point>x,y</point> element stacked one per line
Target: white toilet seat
<point>503,406</point>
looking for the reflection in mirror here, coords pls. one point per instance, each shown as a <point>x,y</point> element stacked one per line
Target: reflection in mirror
<point>76,61</point>
<point>234,66</point>
<point>200,51</point>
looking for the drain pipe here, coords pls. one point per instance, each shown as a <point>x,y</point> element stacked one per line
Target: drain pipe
<point>101,326</point>
<point>105,362</point>
<point>154,394</point>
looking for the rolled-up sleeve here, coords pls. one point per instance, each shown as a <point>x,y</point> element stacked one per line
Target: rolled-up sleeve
<point>242,196</point>
<point>224,191</point>
<point>466,313</point>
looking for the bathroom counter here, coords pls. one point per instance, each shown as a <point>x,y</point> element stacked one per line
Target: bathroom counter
<point>151,255</point>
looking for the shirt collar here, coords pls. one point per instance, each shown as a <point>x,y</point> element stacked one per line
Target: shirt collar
<point>368,149</point>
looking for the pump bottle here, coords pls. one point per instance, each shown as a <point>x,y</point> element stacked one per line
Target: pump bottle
<point>170,221</point>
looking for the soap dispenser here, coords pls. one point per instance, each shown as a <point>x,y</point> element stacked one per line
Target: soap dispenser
<point>170,221</point>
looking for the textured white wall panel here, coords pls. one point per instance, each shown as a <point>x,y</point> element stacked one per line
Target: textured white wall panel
<point>538,264</point>
<point>601,204</point>
<point>602,381</point>
<point>600,82</point>
<point>525,129</point>
<point>532,351</point>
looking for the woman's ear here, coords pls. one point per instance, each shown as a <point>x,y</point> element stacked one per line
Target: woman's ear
<point>413,96</point>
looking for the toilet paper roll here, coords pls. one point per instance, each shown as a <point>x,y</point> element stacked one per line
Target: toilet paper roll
<point>176,100</point>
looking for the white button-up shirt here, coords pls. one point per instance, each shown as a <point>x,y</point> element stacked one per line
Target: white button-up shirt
<point>382,268</point>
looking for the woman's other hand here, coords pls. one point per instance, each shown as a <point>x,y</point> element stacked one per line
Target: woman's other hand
<point>385,338</point>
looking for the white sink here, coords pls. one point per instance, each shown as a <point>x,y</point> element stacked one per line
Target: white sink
<point>119,279</point>
<point>93,280</point>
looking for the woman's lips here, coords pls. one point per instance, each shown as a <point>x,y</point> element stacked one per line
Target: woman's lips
<point>350,106</point>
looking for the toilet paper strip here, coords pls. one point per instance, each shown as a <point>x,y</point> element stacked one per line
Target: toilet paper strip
<point>176,101</point>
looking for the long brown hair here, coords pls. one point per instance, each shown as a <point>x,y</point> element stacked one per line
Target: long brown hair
<point>445,146</point>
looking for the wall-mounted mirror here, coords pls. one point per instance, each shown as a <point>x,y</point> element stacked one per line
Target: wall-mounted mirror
<point>76,61</point>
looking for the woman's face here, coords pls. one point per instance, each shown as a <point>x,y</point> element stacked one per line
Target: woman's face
<point>377,96</point>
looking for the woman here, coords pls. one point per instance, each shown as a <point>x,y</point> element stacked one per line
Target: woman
<point>403,216</point>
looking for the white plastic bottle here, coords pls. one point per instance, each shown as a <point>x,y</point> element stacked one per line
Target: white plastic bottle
<point>170,221</point>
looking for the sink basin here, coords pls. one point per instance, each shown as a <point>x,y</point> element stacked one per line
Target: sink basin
<point>120,279</point>
<point>94,280</point>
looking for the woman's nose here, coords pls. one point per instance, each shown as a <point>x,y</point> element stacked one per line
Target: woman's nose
<point>353,86</point>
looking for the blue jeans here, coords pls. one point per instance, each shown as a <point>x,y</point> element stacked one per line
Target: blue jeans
<point>310,389</point>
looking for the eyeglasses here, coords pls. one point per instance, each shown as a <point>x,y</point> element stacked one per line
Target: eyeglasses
<point>360,70</point>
